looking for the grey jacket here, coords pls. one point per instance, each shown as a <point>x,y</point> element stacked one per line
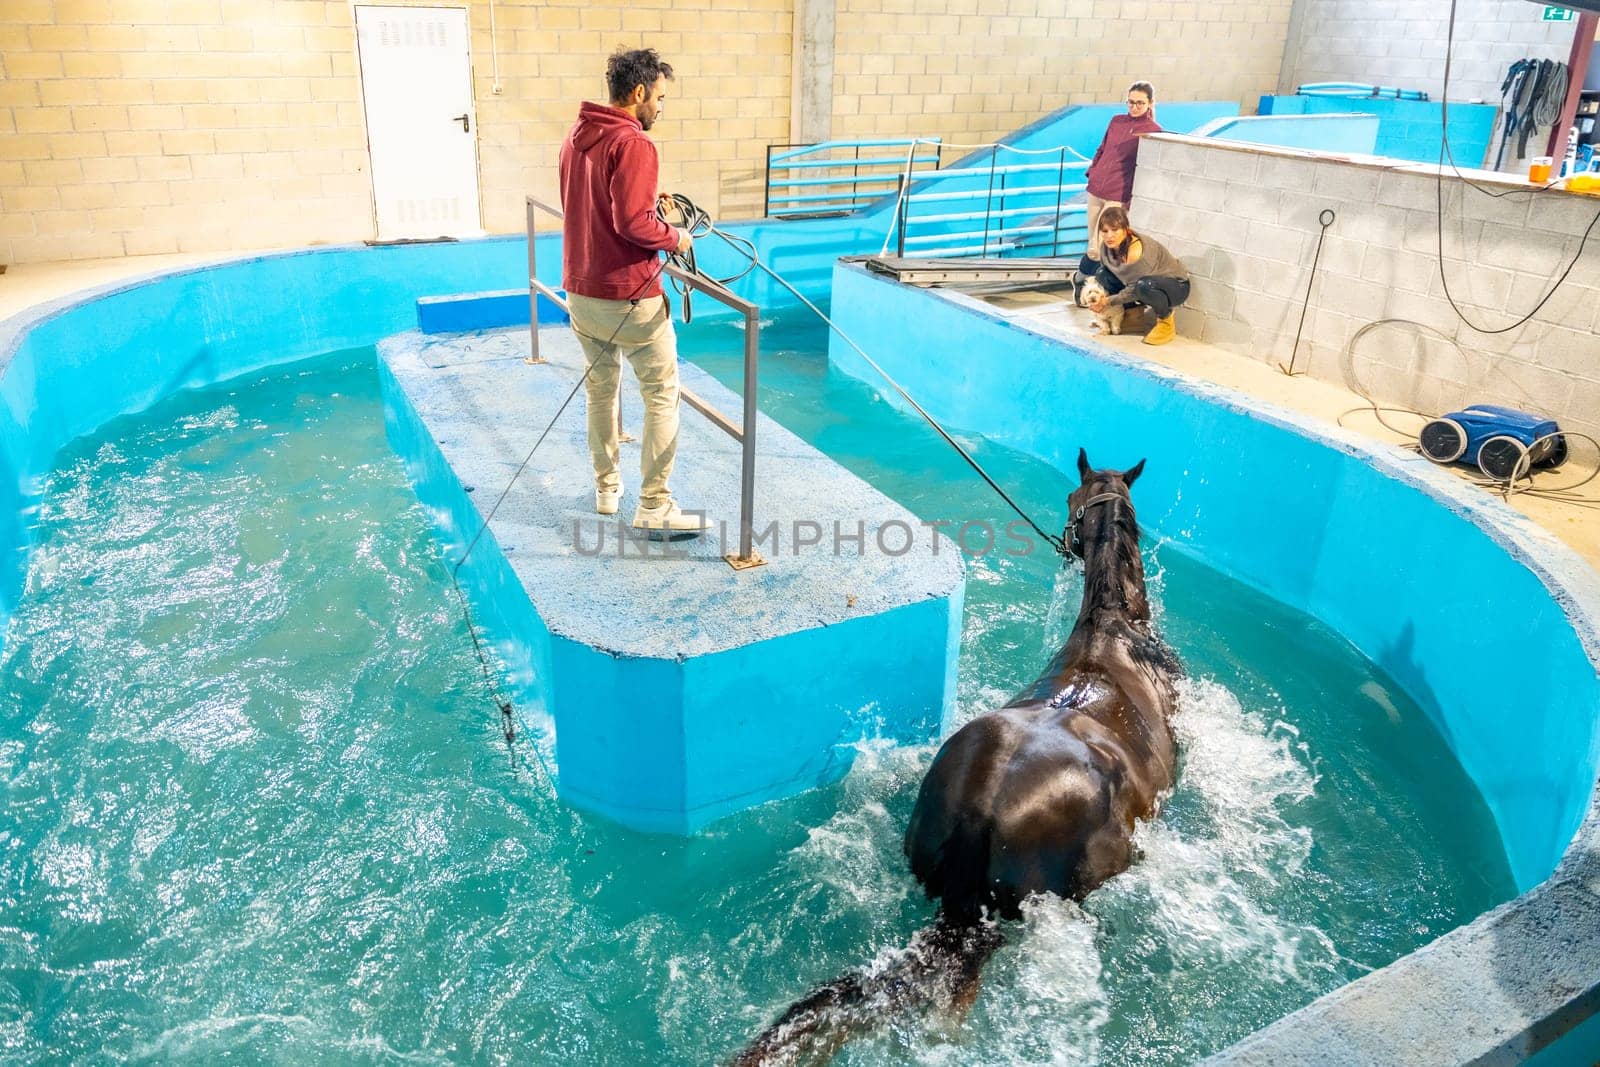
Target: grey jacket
<point>1153,262</point>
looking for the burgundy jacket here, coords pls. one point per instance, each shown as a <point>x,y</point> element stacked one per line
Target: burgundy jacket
<point>1111,173</point>
<point>609,170</point>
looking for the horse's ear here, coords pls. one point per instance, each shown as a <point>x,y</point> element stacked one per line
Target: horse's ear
<point>1083,465</point>
<point>1131,473</point>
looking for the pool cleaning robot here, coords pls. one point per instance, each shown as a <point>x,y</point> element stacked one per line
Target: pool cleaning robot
<point>1502,442</point>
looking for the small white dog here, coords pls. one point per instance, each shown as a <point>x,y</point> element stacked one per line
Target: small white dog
<point>1110,317</point>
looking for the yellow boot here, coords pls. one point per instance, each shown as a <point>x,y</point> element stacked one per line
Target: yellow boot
<point>1162,332</point>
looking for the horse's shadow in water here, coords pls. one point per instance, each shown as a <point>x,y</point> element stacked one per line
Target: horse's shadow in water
<point>1039,796</point>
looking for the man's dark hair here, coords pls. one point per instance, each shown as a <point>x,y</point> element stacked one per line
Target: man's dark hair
<point>641,66</point>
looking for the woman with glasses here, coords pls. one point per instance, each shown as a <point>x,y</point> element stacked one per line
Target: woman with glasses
<point>1111,172</point>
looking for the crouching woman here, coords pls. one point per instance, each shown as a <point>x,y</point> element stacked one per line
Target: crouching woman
<point>1135,269</point>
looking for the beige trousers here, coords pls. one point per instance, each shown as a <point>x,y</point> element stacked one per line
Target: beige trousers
<point>608,330</point>
<point>1092,206</point>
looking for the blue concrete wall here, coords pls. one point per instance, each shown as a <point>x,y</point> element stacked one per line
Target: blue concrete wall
<point>1293,515</point>
<point>1407,129</point>
<point>1355,134</point>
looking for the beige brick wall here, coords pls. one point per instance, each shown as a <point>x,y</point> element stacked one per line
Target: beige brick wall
<point>975,69</point>
<point>147,126</point>
<point>729,100</point>
<point>144,126</point>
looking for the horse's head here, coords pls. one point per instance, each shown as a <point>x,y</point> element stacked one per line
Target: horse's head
<point>1096,489</point>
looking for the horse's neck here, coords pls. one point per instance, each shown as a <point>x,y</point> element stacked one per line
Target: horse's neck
<point>1113,600</point>
<point>1113,587</point>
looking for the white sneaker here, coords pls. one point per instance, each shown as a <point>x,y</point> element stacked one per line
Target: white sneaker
<point>606,500</point>
<point>671,520</point>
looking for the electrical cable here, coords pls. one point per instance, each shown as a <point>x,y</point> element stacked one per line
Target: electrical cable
<point>1446,153</point>
<point>1520,71</point>
<point>1558,493</point>
<point>1325,219</point>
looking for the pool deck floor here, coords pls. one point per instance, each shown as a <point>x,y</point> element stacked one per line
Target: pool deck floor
<point>1574,520</point>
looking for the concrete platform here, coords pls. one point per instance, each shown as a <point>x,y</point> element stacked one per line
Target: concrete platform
<point>679,689</point>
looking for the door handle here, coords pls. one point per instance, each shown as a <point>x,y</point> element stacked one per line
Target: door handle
<point>466,123</point>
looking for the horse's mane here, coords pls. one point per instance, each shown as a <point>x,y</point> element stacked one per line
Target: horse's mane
<point>1103,585</point>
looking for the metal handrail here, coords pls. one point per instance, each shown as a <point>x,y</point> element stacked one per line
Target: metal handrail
<point>780,192</point>
<point>995,185</point>
<point>745,433</point>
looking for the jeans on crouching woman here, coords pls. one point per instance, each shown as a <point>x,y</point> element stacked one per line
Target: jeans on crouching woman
<point>1159,294</point>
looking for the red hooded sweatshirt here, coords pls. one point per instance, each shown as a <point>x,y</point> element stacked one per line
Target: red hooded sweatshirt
<point>1111,174</point>
<point>609,170</point>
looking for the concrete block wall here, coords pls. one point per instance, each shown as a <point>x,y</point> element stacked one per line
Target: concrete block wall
<point>133,127</point>
<point>970,70</point>
<point>1246,224</point>
<point>1402,43</point>
<point>145,126</point>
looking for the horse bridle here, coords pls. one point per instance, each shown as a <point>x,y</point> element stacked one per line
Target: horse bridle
<point>1075,523</point>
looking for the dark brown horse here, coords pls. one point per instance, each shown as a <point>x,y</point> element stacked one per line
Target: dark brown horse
<point>1039,796</point>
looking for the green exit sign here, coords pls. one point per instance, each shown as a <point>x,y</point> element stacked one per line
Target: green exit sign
<point>1557,14</point>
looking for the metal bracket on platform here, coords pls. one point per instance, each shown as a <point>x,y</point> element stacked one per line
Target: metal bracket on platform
<point>745,563</point>
<point>927,272</point>
<point>536,288</point>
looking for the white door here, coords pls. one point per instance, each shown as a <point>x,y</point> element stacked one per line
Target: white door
<point>416,82</point>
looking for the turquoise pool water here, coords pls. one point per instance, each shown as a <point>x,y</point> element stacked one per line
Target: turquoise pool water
<point>258,808</point>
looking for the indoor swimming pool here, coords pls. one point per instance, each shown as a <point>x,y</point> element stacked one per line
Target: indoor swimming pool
<point>260,807</point>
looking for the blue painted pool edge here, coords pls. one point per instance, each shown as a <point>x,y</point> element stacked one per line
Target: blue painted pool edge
<point>1521,978</point>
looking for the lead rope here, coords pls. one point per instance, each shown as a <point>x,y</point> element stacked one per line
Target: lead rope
<point>508,722</point>
<point>1051,539</point>
<point>748,249</point>
<point>698,223</point>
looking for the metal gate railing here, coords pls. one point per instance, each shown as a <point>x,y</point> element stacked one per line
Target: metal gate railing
<point>841,192</point>
<point>1019,215</point>
<point>744,433</point>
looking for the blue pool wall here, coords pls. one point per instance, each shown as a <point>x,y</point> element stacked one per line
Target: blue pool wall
<point>1370,545</point>
<point>1407,129</point>
<point>1352,134</point>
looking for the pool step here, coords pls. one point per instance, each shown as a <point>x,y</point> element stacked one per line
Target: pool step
<point>460,312</point>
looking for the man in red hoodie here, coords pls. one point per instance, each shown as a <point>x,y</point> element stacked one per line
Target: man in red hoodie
<point>612,238</point>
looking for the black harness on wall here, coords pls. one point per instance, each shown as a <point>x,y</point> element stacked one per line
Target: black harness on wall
<point>1531,96</point>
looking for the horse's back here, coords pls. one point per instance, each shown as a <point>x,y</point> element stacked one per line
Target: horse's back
<point>1012,806</point>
